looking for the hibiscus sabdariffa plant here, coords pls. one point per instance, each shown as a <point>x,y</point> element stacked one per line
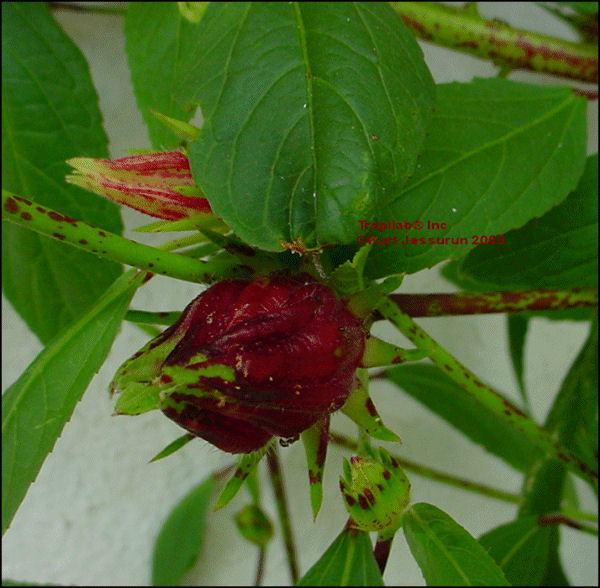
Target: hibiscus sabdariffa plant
<point>321,122</point>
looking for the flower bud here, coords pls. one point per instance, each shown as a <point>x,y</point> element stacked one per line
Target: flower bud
<point>254,525</point>
<point>376,493</point>
<point>254,359</point>
<point>158,184</point>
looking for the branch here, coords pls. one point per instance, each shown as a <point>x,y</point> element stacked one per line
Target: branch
<point>283,511</point>
<point>463,303</point>
<point>465,31</point>
<point>484,395</point>
<point>102,243</point>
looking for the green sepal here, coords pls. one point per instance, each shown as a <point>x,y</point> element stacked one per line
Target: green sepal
<point>198,222</point>
<point>315,440</point>
<point>136,379</point>
<point>360,408</point>
<point>246,465</point>
<point>347,278</point>
<point>173,447</point>
<point>380,353</point>
<point>138,398</point>
<point>181,128</point>
<point>191,374</point>
<point>364,302</point>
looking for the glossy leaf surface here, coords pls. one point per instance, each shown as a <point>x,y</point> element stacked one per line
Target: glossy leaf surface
<point>314,115</point>
<point>348,561</point>
<point>499,154</point>
<point>446,553</point>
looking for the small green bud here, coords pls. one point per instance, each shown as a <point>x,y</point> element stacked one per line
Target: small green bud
<point>376,493</point>
<point>254,525</point>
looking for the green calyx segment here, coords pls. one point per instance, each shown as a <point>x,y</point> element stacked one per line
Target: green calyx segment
<point>360,408</point>
<point>173,447</point>
<point>246,465</point>
<point>362,295</point>
<point>198,222</point>
<point>315,440</point>
<point>181,128</point>
<point>192,373</point>
<point>136,379</point>
<point>380,353</point>
<point>376,493</point>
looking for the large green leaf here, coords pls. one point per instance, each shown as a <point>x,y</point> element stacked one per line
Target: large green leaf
<point>445,552</point>
<point>348,561</point>
<point>432,387</point>
<point>49,114</point>
<point>314,115</point>
<point>161,50</point>
<point>558,250</point>
<point>179,542</point>
<point>521,548</point>
<point>499,154</point>
<point>37,406</point>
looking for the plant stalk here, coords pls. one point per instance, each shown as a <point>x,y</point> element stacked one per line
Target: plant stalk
<point>283,511</point>
<point>466,31</point>
<point>466,303</point>
<point>102,243</point>
<point>483,394</point>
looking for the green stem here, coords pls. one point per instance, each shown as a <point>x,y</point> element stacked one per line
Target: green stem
<point>260,566</point>
<point>380,353</point>
<point>152,318</point>
<point>504,45</point>
<point>108,245</point>
<point>464,303</point>
<point>283,511</point>
<point>432,474</point>
<point>483,394</point>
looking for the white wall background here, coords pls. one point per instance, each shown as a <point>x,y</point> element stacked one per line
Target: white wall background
<point>93,513</point>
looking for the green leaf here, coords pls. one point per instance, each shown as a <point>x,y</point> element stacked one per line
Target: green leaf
<point>517,333</point>
<point>161,50</point>
<point>558,250</point>
<point>521,548</point>
<point>49,114</point>
<point>445,552</point>
<point>472,174</point>
<point>574,414</point>
<point>348,561</point>
<point>284,86</point>
<point>433,388</point>
<point>180,540</point>
<point>37,406</point>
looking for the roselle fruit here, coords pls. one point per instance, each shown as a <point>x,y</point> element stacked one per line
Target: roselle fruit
<point>249,360</point>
